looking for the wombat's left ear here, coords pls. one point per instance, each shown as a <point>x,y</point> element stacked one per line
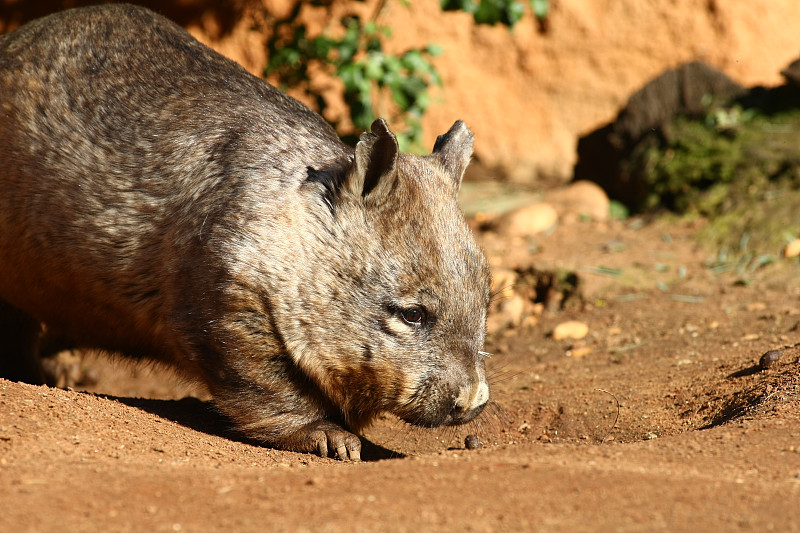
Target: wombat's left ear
<point>374,170</point>
<point>454,149</point>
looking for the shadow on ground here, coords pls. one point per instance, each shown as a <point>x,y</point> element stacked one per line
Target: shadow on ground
<point>202,416</point>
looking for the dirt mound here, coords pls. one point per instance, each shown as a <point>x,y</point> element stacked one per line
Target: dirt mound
<point>774,394</point>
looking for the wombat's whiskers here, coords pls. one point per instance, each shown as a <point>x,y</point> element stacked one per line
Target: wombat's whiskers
<point>501,376</point>
<point>501,294</point>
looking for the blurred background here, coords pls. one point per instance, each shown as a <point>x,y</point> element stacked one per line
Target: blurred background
<point>528,85</point>
<point>650,107</point>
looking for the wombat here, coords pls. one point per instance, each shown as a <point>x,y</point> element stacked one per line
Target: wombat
<point>158,201</point>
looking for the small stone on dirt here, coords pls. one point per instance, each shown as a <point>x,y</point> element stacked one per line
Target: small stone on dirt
<point>503,282</point>
<point>579,351</point>
<point>472,442</point>
<point>770,359</point>
<point>571,329</point>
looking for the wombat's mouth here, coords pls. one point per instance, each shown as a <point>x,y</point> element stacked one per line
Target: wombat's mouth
<point>465,407</point>
<point>454,418</point>
<point>457,418</point>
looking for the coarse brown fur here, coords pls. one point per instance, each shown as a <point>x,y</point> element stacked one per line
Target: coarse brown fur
<point>158,201</point>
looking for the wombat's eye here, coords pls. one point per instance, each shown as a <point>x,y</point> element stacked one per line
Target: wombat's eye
<point>413,315</point>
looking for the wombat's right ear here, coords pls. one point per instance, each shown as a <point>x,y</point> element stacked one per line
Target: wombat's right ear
<point>374,170</point>
<point>454,150</point>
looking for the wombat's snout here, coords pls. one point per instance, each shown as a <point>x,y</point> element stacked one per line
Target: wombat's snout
<point>452,399</point>
<point>470,401</point>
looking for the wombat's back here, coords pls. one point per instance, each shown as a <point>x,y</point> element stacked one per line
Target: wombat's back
<point>104,62</point>
<point>140,136</point>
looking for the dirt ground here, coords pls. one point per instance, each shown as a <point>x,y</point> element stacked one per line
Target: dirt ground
<point>660,419</point>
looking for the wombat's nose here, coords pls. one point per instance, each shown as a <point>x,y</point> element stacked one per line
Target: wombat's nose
<point>470,401</point>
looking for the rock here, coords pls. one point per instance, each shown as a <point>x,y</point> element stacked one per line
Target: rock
<point>792,249</point>
<point>679,91</point>
<point>579,351</point>
<point>472,442</point>
<point>527,221</point>
<point>684,90</point>
<point>572,329</point>
<point>770,359</point>
<point>529,322</point>
<point>581,198</point>
<point>512,306</point>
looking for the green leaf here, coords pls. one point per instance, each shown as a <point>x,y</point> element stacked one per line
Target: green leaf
<point>458,5</point>
<point>513,13</point>
<point>373,67</point>
<point>540,8</point>
<point>405,78</point>
<point>489,12</point>
<point>434,50</point>
<point>400,98</point>
<point>351,75</point>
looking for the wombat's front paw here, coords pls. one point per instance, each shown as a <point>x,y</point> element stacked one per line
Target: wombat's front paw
<point>324,437</point>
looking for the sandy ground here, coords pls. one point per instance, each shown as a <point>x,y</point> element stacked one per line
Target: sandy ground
<point>660,419</point>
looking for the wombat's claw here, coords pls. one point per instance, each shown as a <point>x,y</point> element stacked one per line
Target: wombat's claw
<point>343,442</point>
<point>330,437</point>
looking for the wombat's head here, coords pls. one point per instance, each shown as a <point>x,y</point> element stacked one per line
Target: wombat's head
<point>402,290</point>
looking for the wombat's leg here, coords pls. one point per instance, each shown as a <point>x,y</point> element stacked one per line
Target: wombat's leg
<point>321,437</point>
<point>287,418</point>
<point>19,336</point>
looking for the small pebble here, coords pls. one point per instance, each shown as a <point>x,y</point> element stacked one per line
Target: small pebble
<point>472,442</point>
<point>572,329</point>
<point>770,359</point>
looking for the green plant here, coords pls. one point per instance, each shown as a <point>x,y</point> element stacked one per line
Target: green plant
<point>736,166</point>
<point>507,12</point>
<point>697,163</point>
<point>376,83</point>
<point>370,75</point>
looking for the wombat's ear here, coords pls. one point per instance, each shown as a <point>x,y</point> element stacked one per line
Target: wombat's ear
<point>454,150</point>
<point>374,170</point>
